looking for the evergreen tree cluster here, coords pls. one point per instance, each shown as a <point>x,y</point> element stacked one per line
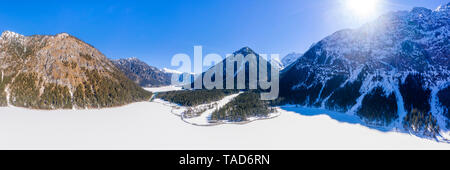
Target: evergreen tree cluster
<point>242,107</point>
<point>345,97</point>
<point>416,99</point>
<point>33,83</point>
<point>86,56</point>
<point>311,93</point>
<point>195,97</point>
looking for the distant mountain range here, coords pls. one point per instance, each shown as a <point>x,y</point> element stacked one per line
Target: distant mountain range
<point>60,72</point>
<point>245,51</point>
<point>143,74</point>
<point>393,72</point>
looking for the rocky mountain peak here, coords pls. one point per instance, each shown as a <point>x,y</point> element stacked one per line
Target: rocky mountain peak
<point>63,63</point>
<point>245,51</point>
<point>10,34</point>
<point>141,73</point>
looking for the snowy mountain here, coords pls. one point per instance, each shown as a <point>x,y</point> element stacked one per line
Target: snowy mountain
<point>290,58</point>
<point>166,70</point>
<point>393,72</point>
<point>277,63</point>
<point>143,74</point>
<point>60,72</point>
<point>245,51</point>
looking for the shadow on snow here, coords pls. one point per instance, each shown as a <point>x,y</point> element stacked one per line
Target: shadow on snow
<point>338,116</point>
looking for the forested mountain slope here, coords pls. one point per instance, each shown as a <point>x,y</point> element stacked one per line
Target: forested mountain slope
<point>60,72</point>
<point>392,72</point>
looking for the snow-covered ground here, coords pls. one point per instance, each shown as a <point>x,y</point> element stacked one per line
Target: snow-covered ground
<point>151,125</point>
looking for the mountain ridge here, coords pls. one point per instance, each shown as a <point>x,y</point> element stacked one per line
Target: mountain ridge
<point>290,58</point>
<point>245,51</point>
<point>142,73</point>
<point>60,72</point>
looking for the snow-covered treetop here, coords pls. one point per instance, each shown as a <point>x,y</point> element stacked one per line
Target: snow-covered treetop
<point>290,58</point>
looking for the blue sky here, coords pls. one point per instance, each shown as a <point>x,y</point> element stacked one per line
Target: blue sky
<point>155,30</point>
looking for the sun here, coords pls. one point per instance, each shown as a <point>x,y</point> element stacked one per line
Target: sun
<point>363,8</point>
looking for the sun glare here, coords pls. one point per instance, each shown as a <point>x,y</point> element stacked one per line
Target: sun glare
<point>363,8</point>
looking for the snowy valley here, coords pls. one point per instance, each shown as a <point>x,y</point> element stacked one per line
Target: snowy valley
<point>151,125</point>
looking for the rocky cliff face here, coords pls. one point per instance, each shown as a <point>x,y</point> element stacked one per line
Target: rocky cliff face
<point>61,71</point>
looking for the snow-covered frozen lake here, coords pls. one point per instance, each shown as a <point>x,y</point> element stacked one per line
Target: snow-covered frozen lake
<point>151,125</point>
